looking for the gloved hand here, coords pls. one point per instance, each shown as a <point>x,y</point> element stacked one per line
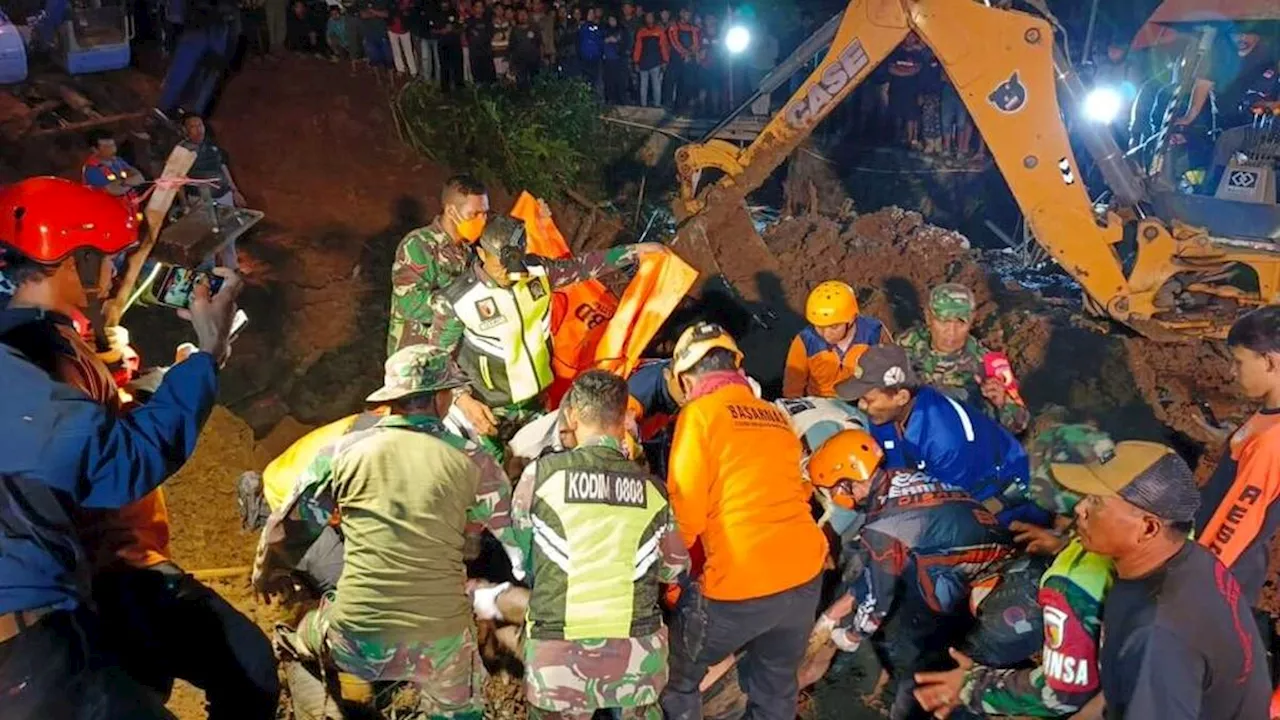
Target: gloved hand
<point>516,556</point>
<point>485,601</point>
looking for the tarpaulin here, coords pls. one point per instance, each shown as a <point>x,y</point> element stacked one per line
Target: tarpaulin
<point>590,327</point>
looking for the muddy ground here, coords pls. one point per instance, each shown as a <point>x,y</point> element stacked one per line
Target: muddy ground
<point>312,144</point>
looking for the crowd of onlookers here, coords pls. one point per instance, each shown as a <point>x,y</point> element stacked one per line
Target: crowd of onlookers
<point>631,54</point>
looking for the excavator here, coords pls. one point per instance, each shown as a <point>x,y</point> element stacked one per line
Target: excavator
<point>1166,264</point>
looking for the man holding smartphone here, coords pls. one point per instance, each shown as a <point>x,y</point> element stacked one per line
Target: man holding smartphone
<point>79,478</point>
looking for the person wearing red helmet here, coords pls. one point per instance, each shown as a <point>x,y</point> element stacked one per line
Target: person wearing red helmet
<point>68,448</point>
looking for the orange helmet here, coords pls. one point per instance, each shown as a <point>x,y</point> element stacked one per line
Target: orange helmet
<point>46,219</point>
<point>831,303</point>
<point>849,456</point>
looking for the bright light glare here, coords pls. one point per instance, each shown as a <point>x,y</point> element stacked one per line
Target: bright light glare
<point>1102,105</point>
<point>737,39</point>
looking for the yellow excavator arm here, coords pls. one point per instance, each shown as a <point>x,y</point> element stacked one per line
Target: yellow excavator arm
<point>1002,65</point>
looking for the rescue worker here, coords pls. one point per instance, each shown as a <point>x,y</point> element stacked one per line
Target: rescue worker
<point>919,427</point>
<point>654,399</point>
<point>429,258</point>
<point>815,420</point>
<point>68,448</point>
<point>1072,593</point>
<point>945,355</point>
<point>1178,638</point>
<point>1239,513</point>
<point>105,170</point>
<point>598,538</point>
<point>497,318</point>
<point>738,497</point>
<point>929,554</point>
<point>826,352</point>
<point>407,493</point>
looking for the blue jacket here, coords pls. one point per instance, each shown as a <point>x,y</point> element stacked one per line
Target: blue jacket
<point>60,450</point>
<point>963,447</point>
<point>590,41</point>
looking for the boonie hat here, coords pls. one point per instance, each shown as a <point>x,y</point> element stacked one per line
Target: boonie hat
<point>417,369</point>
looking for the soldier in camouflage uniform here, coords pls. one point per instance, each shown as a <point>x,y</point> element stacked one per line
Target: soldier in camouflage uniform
<point>946,356</point>
<point>431,257</point>
<point>597,537</point>
<point>496,320</point>
<point>407,493</point>
<point>1071,596</point>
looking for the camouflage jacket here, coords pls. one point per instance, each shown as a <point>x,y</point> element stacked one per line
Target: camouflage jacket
<point>585,675</point>
<point>426,262</point>
<point>956,374</point>
<point>397,497</point>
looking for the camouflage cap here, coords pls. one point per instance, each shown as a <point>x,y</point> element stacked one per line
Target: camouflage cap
<point>417,369</point>
<point>1075,444</point>
<point>951,301</point>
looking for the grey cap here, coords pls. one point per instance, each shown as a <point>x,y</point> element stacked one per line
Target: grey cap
<point>882,367</point>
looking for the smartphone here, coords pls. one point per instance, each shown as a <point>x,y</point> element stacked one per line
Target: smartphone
<point>173,286</point>
<point>238,323</point>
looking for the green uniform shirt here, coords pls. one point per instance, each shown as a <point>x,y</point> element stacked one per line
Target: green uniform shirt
<point>956,374</point>
<point>1072,591</point>
<point>406,492</point>
<point>427,261</point>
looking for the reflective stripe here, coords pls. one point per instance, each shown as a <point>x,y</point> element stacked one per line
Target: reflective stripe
<point>553,546</point>
<point>646,556</point>
<point>485,375</point>
<point>964,418</point>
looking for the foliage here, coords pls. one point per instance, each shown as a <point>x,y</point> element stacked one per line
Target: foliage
<point>543,139</point>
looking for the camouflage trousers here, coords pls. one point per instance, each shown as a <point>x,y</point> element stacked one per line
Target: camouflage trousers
<point>640,712</point>
<point>573,678</point>
<point>447,673</point>
<point>510,419</point>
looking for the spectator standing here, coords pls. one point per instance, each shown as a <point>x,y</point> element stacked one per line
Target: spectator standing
<point>448,34</point>
<point>931,104</point>
<point>399,26</point>
<point>487,41</point>
<point>1178,638</point>
<point>373,31</point>
<point>427,19</point>
<point>711,58</point>
<point>567,21</point>
<point>545,20</point>
<point>904,90</point>
<point>668,73</point>
<point>464,14</point>
<point>615,67</point>
<point>337,33</point>
<point>526,48</point>
<point>956,127</point>
<point>591,48</point>
<point>502,42</point>
<point>650,55</point>
<point>631,21</point>
<point>874,115</point>
<point>302,33</point>
<point>277,15</point>
<point>685,41</point>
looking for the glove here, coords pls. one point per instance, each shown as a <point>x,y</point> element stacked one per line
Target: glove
<point>516,556</point>
<point>845,639</point>
<point>485,601</point>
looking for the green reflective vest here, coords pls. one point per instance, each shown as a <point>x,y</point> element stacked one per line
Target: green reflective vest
<point>598,521</point>
<point>506,346</point>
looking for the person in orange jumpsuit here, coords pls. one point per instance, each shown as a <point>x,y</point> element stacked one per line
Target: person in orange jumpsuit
<point>737,492</point>
<point>825,353</point>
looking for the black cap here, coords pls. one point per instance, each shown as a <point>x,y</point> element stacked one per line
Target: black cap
<point>882,367</point>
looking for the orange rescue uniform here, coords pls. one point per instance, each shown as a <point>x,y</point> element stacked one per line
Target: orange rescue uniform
<point>815,366</point>
<point>1238,510</point>
<point>736,489</point>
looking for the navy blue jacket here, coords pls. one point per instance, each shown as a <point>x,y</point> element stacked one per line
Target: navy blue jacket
<point>960,446</point>
<point>924,539</point>
<point>59,449</point>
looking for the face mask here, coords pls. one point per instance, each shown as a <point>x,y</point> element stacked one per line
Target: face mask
<point>471,228</point>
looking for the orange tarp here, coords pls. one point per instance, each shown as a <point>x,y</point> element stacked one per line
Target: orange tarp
<point>590,327</point>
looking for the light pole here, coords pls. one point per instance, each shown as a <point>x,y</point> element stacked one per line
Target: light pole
<point>736,41</point>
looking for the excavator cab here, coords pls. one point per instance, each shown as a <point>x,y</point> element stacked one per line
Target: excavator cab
<point>94,37</point>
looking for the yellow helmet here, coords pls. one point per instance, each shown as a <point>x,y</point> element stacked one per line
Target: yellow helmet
<point>831,303</point>
<point>849,455</point>
<point>698,340</point>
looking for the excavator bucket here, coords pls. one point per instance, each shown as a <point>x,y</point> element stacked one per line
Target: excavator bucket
<point>205,228</point>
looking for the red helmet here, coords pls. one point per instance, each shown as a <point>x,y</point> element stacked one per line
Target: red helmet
<point>45,219</point>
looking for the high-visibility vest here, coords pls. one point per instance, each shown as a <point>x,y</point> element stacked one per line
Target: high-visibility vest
<point>506,344</point>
